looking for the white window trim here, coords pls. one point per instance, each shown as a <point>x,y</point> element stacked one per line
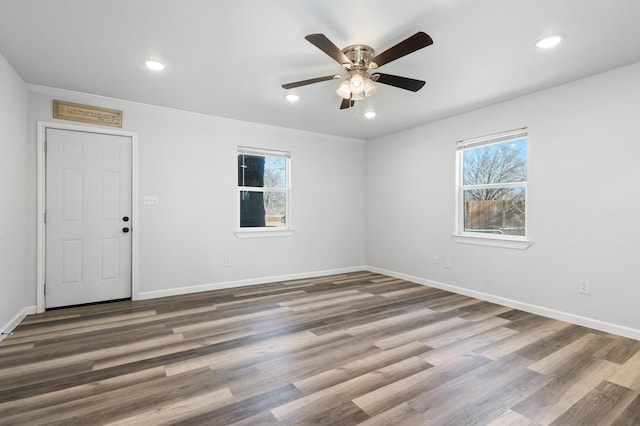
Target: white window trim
<point>489,240</point>
<point>265,232</point>
<point>500,241</point>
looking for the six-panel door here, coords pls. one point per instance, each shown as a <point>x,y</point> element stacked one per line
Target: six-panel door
<point>88,192</point>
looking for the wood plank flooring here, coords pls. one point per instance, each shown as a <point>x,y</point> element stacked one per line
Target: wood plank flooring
<point>359,348</point>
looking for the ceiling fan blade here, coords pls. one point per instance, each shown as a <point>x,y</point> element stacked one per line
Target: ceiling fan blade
<point>410,45</point>
<point>347,103</point>
<point>323,43</point>
<point>309,81</point>
<point>401,82</point>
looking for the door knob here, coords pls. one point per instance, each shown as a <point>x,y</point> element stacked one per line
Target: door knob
<point>125,219</point>
<point>125,230</point>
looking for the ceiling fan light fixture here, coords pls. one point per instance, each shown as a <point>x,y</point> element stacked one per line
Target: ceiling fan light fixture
<point>357,96</point>
<point>344,91</point>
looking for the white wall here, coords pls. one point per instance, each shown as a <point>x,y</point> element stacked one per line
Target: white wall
<point>17,192</point>
<point>583,203</point>
<point>189,162</point>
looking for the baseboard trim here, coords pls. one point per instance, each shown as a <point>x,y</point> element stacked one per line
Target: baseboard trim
<point>13,322</point>
<point>608,327</point>
<point>143,295</point>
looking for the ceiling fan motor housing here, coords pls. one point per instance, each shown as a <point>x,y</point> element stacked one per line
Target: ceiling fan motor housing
<point>360,56</point>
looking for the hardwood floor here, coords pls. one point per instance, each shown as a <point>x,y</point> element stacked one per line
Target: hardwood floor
<point>358,348</point>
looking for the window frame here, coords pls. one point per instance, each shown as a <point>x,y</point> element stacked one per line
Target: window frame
<point>264,231</point>
<point>488,239</point>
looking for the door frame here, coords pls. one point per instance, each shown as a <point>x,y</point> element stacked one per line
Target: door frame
<point>41,203</point>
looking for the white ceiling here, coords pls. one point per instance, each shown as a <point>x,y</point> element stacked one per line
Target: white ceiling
<point>229,58</point>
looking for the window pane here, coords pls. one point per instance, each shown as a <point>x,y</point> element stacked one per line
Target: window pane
<point>262,171</point>
<point>495,211</point>
<point>497,163</point>
<point>275,206</point>
<point>275,172</point>
<point>260,209</point>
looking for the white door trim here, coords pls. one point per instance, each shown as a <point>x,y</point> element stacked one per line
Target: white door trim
<point>41,234</point>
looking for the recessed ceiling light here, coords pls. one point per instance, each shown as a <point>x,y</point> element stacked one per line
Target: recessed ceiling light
<point>293,98</point>
<point>154,65</point>
<point>370,114</point>
<point>549,41</point>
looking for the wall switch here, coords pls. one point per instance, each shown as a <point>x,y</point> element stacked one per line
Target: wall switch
<point>150,200</point>
<point>448,263</point>
<point>435,259</point>
<point>227,262</point>
<point>585,287</point>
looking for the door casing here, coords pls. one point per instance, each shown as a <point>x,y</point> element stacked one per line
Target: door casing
<point>41,204</point>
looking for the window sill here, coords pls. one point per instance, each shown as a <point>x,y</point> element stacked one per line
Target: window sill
<point>509,243</point>
<point>263,233</point>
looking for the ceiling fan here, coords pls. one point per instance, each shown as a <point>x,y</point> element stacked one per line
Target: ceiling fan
<point>357,59</point>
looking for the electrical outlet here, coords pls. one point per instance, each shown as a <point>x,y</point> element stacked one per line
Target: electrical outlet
<point>585,287</point>
<point>448,263</point>
<point>435,259</point>
<point>227,262</point>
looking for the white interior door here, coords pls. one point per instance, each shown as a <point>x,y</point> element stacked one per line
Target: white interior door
<point>88,217</point>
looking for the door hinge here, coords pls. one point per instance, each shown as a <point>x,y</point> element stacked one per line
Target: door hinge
<point>45,145</point>
<point>45,216</point>
<point>45,289</point>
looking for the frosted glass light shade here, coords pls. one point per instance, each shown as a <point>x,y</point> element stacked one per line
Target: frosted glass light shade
<point>344,91</point>
<point>369,87</point>
<point>357,84</point>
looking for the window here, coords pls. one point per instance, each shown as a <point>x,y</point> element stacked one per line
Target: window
<point>263,189</point>
<point>492,186</point>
